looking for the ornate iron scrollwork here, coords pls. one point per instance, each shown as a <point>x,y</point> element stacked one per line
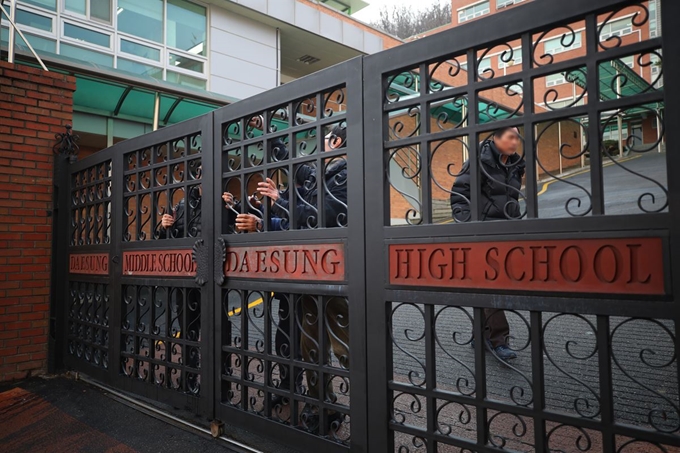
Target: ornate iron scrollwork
<point>66,143</point>
<point>200,256</point>
<point>220,258</point>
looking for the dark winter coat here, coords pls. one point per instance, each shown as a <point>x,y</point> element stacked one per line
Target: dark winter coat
<point>334,186</point>
<point>500,183</point>
<point>192,217</point>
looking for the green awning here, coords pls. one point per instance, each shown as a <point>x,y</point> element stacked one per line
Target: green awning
<point>117,99</point>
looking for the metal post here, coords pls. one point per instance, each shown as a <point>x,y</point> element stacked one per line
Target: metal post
<point>11,42</point>
<point>619,117</point>
<point>156,110</point>
<point>559,143</point>
<point>658,130</point>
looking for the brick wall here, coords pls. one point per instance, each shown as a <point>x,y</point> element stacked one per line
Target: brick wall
<point>34,105</point>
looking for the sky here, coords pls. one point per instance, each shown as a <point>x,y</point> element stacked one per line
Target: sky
<point>372,12</point>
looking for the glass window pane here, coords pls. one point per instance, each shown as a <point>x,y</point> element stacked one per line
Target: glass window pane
<point>77,6</point>
<point>48,4</point>
<point>186,80</point>
<point>140,68</point>
<point>91,56</point>
<point>140,50</point>
<point>87,35</point>
<point>186,63</point>
<point>186,26</point>
<point>101,10</point>
<point>40,44</point>
<point>142,19</point>
<point>34,20</point>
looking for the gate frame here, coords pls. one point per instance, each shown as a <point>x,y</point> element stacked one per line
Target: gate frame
<point>465,40</point>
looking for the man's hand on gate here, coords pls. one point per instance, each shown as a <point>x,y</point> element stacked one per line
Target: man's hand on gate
<point>268,189</point>
<point>228,199</point>
<point>249,223</point>
<point>167,221</point>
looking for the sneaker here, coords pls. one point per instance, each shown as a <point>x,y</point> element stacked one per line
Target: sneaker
<point>504,353</point>
<point>310,420</point>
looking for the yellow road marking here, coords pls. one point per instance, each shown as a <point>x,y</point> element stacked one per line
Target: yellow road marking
<point>544,189</point>
<point>237,311</point>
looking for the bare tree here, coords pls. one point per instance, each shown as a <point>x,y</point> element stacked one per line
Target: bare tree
<point>404,22</point>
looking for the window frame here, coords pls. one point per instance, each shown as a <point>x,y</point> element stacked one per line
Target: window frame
<point>88,13</point>
<point>549,83</point>
<point>70,40</point>
<point>38,31</point>
<point>500,4</point>
<point>462,17</point>
<point>630,25</point>
<point>578,44</point>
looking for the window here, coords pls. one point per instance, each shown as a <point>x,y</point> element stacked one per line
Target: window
<point>612,132</point>
<point>555,79</point>
<point>140,68</point>
<point>654,29</point>
<point>473,11</point>
<point>141,19</point>
<point>620,27</point>
<point>628,61</point>
<point>516,58</point>
<point>483,66</point>
<point>98,10</point>
<point>557,45</point>
<point>81,53</point>
<point>186,27</point>
<point>140,50</point>
<point>504,3</point>
<point>47,4</point>
<point>34,20</point>
<point>86,35</point>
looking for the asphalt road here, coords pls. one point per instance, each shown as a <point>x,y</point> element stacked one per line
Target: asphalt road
<point>623,190</point>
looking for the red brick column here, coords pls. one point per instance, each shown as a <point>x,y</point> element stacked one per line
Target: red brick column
<point>34,105</point>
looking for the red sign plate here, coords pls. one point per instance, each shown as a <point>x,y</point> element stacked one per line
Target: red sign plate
<point>89,263</point>
<point>318,262</point>
<point>159,263</point>
<point>608,266</point>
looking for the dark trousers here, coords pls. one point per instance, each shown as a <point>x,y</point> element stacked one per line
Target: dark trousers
<point>496,328</point>
<point>282,341</point>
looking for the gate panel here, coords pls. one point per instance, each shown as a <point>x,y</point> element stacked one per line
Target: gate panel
<point>89,292</point>
<point>290,328</point>
<point>576,262</point>
<point>138,287</point>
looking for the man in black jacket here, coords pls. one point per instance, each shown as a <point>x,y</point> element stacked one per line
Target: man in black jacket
<point>501,173</point>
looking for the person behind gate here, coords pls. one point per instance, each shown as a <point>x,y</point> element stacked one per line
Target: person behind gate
<point>336,310</point>
<point>501,173</point>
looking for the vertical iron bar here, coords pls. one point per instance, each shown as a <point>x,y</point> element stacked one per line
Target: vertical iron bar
<point>430,376</point>
<point>530,148</point>
<point>473,139</point>
<point>424,127</point>
<point>606,390</point>
<point>479,322</point>
<point>593,84</point>
<point>538,383</point>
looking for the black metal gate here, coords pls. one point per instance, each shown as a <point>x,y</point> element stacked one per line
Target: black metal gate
<point>178,280</point>
<point>596,368</point>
